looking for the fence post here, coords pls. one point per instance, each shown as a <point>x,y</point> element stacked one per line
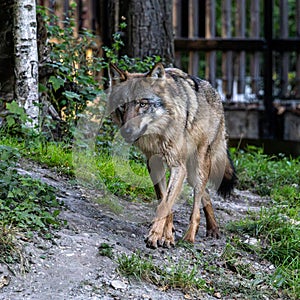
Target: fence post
<point>241,56</point>
<point>268,130</point>
<point>227,59</point>
<point>210,32</point>
<point>193,33</point>
<point>284,57</point>
<point>177,7</point>
<point>255,57</point>
<point>297,89</point>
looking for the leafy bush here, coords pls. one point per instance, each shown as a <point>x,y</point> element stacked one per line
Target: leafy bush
<point>75,64</point>
<point>24,202</point>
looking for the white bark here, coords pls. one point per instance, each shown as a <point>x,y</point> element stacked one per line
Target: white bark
<point>26,58</point>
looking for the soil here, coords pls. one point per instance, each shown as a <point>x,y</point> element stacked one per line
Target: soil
<point>69,266</point>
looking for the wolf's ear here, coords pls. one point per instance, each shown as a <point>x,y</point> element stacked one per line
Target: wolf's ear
<point>158,71</point>
<point>116,75</point>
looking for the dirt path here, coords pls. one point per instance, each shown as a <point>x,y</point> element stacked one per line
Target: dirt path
<point>70,267</point>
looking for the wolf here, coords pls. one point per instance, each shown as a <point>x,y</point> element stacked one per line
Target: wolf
<point>177,121</point>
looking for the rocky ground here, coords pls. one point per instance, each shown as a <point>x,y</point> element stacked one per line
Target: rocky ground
<point>69,265</point>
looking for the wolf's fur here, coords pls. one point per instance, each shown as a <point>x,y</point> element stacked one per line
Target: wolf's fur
<point>176,120</point>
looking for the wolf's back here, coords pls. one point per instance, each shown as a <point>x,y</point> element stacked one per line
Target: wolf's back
<point>205,121</point>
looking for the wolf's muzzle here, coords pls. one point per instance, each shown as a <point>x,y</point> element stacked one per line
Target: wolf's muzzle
<point>130,134</point>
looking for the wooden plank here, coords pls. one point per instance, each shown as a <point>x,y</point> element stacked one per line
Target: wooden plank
<point>297,87</point>
<point>255,57</point>
<point>177,28</point>
<point>268,130</point>
<point>237,44</point>
<point>177,18</point>
<point>284,57</point>
<point>227,59</point>
<point>241,57</point>
<point>193,32</point>
<point>210,32</point>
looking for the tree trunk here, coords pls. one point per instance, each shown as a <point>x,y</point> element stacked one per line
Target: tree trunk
<point>26,58</point>
<point>149,29</point>
<point>6,52</point>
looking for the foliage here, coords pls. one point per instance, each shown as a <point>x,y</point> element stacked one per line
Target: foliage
<point>106,250</point>
<point>75,62</point>
<point>124,62</point>
<point>278,239</point>
<point>15,121</point>
<point>26,204</point>
<point>76,66</point>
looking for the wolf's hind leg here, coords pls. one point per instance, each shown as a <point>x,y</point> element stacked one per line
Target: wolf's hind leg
<point>194,219</point>
<point>161,232</point>
<point>211,223</point>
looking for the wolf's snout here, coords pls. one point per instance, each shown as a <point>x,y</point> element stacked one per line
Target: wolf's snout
<point>127,134</point>
<point>131,133</point>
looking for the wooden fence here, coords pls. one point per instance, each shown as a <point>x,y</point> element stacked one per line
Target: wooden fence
<point>250,41</point>
<point>250,51</point>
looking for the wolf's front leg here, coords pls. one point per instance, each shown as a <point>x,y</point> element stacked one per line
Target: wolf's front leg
<point>161,232</point>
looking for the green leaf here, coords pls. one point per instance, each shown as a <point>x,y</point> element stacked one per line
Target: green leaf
<point>14,108</point>
<point>71,95</point>
<point>42,88</point>
<point>10,121</point>
<point>56,82</point>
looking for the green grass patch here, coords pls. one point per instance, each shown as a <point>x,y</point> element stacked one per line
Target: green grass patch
<point>100,170</point>
<point>276,228</point>
<point>56,155</point>
<point>181,274</point>
<point>26,205</point>
<point>263,174</point>
<point>278,240</point>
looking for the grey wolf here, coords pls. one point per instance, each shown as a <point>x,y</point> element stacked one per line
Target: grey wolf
<point>177,121</point>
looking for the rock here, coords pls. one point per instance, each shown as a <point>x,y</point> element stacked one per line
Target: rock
<point>4,280</point>
<point>118,284</point>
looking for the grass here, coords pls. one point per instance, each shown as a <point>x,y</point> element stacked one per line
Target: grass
<point>180,274</point>
<point>95,169</point>
<point>277,227</point>
<point>266,175</point>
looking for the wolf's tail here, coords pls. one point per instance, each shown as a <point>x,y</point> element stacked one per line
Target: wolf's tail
<point>229,180</point>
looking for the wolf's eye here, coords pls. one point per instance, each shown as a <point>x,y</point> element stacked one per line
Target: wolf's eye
<point>143,104</point>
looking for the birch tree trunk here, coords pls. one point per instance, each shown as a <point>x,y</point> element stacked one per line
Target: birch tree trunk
<point>26,58</point>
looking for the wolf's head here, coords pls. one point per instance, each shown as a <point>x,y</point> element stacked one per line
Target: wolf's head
<point>136,102</point>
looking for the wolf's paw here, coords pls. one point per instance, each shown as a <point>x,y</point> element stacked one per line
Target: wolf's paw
<point>190,235</point>
<point>161,234</point>
<point>213,232</point>
<point>168,240</point>
<point>155,240</point>
<point>189,238</point>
